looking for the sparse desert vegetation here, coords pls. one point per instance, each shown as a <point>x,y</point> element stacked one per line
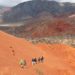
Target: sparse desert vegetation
<point>67,39</point>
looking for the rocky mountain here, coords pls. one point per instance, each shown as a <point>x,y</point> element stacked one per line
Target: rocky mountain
<point>27,10</point>
<point>42,26</point>
<point>4,9</point>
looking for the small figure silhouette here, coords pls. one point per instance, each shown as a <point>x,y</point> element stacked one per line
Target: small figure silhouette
<point>13,52</point>
<point>39,59</point>
<point>22,63</point>
<point>42,59</point>
<point>34,61</point>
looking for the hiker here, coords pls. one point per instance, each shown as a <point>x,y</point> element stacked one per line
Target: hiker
<point>13,52</point>
<point>42,59</point>
<point>22,63</point>
<point>39,59</point>
<point>34,61</point>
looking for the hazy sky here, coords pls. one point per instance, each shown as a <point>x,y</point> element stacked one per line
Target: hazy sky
<point>15,2</point>
<point>11,2</point>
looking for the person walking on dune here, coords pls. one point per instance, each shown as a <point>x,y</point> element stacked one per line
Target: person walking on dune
<point>34,61</point>
<point>22,63</point>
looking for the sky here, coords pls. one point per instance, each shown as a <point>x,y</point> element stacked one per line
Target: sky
<point>15,2</point>
<point>11,2</point>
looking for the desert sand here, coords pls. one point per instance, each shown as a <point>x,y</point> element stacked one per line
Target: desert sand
<point>59,59</point>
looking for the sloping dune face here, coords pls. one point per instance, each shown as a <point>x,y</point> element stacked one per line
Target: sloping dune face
<point>12,50</point>
<point>57,59</point>
<point>61,58</point>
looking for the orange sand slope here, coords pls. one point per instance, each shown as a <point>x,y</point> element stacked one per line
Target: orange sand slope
<point>59,59</point>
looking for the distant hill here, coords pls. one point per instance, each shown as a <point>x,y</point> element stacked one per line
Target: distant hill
<point>42,26</point>
<point>4,9</point>
<point>27,10</point>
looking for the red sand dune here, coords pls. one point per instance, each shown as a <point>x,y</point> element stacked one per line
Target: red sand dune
<point>61,56</point>
<point>59,59</point>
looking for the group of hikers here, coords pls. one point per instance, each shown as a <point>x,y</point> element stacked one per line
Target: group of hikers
<point>35,60</point>
<point>23,62</point>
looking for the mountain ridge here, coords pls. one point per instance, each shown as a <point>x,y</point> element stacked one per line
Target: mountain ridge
<point>33,8</point>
